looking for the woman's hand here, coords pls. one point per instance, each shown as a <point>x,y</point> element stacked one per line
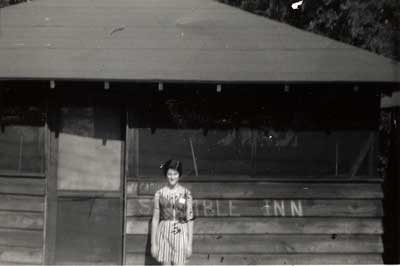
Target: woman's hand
<point>154,250</point>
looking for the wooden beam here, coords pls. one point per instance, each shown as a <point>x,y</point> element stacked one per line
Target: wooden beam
<point>21,220</point>
<point>392,193</point>
<point>23,186</point>
<point>272,244</point>
<point>124,174</point>
<point>396,146</point>
<point>264,259</point>
<point>262,190</point>
<point>21,238</point>
<point>21,203</point>
<point>20,255</point>
<point>270,225</point>
<point>51,140</point>
<point>258,208</point>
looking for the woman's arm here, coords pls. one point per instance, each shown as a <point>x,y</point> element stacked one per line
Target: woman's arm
<point>190,218</point>
<point>156,218</point>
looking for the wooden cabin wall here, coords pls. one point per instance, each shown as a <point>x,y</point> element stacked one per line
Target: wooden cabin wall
<point>255,219</point>
<point>22,219</point>
<point>325,216</point>
<point>391,137</point>
<point>22,178</point>
<point>281,179</point>
<point>269,222</point>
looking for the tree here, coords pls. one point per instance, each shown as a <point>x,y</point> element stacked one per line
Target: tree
<point>369,24</point>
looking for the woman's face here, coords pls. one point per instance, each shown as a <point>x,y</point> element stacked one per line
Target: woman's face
<point>172,176</point>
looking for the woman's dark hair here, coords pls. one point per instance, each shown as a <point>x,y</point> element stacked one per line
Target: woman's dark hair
<point>171,164</point>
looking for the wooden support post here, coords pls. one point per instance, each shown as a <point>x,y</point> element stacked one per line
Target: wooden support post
<point>396,180</point>
<point>2,127</point>
<point>371,159</point>
<point>137,153</point>
<point>253,156</point>
<point>124,166</point>
<point>51,142</point>
<point>391,188</point>
<point>336,158</point>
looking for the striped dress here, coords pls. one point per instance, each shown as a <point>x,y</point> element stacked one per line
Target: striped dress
<point>175,210</point>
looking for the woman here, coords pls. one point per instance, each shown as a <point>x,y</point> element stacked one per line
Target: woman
<point>172,223</point>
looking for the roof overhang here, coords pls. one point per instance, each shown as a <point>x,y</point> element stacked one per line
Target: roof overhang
<point>172,41</point>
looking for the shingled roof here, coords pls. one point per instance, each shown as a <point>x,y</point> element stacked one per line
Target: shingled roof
<point>172,40</point>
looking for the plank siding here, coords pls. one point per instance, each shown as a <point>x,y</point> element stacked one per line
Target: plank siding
<point>254,208</point>
<point>268,222</point>
<point>21,203</point>
<point>267,190</point>
<point>11,255</point>
<point>273,243</point>
<point>21,220</point>
<point>276,259</point>
<point>26,186</point>
<point>267,225</point>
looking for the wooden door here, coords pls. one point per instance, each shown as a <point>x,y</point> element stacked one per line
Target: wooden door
<point>89,185</point>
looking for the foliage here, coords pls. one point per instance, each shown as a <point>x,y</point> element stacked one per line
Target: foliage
<point>369,24</point>
<point>4,3</point>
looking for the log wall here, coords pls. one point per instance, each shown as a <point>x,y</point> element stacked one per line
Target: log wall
<point>269,222</point>
<point>21,220</point>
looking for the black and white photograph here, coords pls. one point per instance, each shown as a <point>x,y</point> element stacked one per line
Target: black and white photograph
<point>199,132</point>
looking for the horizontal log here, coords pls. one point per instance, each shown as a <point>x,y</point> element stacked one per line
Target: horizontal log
<point>21,220</point>
<point>88,194</point>
<point>322,179</point>
<point>27,186</point>
<point>21,174</point>
<point>271,207</point>
<point>21,238</point>
<point>281,244</point>
<point>12,255</point>
<point>270,225</point>
<point>281,259</point>
<point>233,190</point>
<point>21,203</point>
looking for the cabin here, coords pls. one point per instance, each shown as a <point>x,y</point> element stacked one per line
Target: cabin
<point>277,129</point>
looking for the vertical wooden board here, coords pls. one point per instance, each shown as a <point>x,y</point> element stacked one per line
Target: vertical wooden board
<point>21,238</point>
<point>21,220</point>
<point>51,184</point>
<point>21,203</point>
<point>12,255</point>
<point>265,259</point>
<point>270,225</point>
